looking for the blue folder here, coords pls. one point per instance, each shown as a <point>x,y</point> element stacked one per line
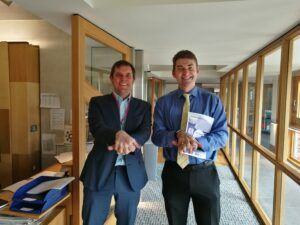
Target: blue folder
<point>36,203</point>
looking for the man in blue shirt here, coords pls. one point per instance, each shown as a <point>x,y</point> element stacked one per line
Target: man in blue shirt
<point>198,180</point>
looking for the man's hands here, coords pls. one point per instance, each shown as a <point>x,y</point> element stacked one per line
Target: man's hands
<point>124,143</point>
<point>186,142</point>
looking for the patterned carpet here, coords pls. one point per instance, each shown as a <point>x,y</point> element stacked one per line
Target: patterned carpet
<point>235,209</point>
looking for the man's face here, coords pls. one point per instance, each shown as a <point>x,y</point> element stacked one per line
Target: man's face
<point>122,80</point>
<point>186,73</point>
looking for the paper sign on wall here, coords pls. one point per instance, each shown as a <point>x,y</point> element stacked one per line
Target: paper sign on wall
<point>50,100</point>
<point>57,119</point>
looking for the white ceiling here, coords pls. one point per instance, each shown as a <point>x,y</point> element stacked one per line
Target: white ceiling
<point>221,33</point>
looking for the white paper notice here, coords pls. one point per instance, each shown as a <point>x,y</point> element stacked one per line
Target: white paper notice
<point>50,100</point>
<point>52,184</point>
<point>57,119</point>
<point>197,126</point>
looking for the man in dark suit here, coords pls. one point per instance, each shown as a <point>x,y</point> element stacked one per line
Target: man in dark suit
<point>120,125</point>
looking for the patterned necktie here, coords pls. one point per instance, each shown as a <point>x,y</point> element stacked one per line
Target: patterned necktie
<point>183,159</point>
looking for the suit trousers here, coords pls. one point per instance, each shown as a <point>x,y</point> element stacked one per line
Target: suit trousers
<point>197,182</point>
<point>96,204</point>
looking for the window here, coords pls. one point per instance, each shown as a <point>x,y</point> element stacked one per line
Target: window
<point>270,99</point>
<point>251,99</point>
<point>294,128</point>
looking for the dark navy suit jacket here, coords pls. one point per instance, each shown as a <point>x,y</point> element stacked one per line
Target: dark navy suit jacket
<point>104,122</point>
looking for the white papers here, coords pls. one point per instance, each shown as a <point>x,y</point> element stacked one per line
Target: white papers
<point>26,209</point>
<point>64,157</point>
<point>52,184</point>
<point>16,186</point>
<point>197,126</point>
<point>49,174</point>
<point>50,100</point>
<point>29,199</point>
<point>57,119</point>
<point>197,153</point>
<point>68,156</point>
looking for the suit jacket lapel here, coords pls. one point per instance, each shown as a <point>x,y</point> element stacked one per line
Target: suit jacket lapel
<point>114,111</point>
<point>130,116</point>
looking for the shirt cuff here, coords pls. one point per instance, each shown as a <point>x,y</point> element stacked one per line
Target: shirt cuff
<point>170,138</point>
<point>205,145</point>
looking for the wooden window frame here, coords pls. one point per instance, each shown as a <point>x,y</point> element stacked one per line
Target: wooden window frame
<point>81,94</point>
<point>281,159</point>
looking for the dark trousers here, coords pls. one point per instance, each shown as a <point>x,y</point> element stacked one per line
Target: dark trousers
<point>201,184</point>
<point>96,204</point>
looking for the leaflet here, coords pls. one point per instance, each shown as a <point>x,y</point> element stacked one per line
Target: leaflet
<point>197,126</point>
<point>53,184</point>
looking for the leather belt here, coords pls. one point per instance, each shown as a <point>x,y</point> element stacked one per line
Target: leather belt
<point>192,166</point>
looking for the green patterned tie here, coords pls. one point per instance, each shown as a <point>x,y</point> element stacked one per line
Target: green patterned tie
<point>183,159</point>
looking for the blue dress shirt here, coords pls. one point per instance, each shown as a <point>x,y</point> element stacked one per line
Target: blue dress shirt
<point>123,109</point>
<point>167,118</point>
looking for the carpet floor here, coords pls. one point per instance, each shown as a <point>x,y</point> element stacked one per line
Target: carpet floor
<point>235,209</point>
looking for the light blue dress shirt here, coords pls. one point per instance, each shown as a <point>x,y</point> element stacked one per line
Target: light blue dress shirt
<point>123,109</point>
<point>167,118</point>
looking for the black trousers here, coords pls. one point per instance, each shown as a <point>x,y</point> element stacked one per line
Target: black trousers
<point>197,182</point>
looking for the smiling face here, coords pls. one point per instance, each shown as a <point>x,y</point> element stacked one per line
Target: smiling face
<point>122,80</point>
<point>185,72</point>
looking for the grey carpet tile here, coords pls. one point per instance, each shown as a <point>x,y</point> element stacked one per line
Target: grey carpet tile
<point>235,210</point>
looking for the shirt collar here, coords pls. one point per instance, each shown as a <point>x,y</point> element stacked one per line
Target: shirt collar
<point>193,92</point>
<point>119,98</point>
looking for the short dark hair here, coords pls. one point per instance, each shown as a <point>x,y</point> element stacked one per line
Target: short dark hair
<point>119,64</point>
<point>184,54</point>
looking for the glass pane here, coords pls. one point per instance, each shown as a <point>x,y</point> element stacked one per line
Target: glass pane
<point>294,131</point>
<point>229,142</point>
<point>248,164</point>
<point>239,98</point>
<point>270,99</point>
<point>99,59</point>
<point>231,97</point>
<point>237,151</point>
<point>266,185</point>
<point>292,200</point>
<point>226,94</point>
<point>149,91</point>
<point>251,99</point>
<point>156,91</point>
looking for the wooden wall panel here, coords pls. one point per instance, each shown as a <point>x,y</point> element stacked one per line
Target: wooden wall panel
<point>5,155</point>
<point>5,170</point>
<point>17,67</point>
<point>20,52</point>
<point>4,78</point>
<point>19,111</point>
<point>19,118</point>
<point>4,132</point>
<point>34,142</point>
<point>33,73</point>
<point>58,217</point>
<point>25,165</point>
